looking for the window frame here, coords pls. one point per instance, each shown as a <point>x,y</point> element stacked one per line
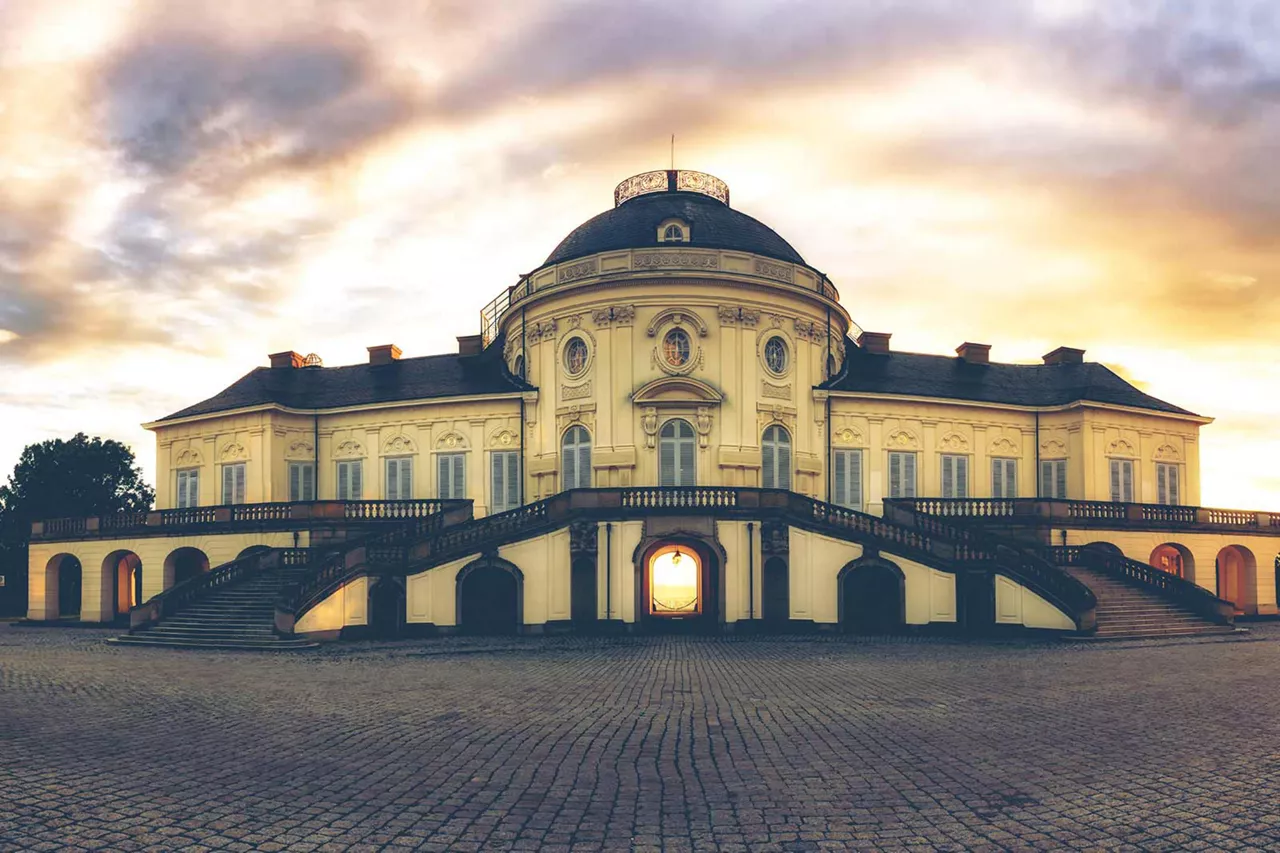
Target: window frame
<point>573,456</point>
<point>851,496</point>
<point>239,479</point>
<point>1004,477</point>
<point>348,474</point>
<point>1052,473</point>
<point>188,497</point>
<point>686,355</point>
<point>565,359</point>
<point>504,480</point>
<point>399,481</point>
<point>958,475</point>
<point>678,443</point>
<point>457,461</point>
<point>781,343</point>
<point>776,456</point>
<point>1168,484</point>
<point>304,487</point>
<point>1123,489</point>
<point>903,457</point>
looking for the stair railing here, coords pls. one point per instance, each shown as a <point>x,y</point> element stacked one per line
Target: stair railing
<point>1178,590</point>
<point>178,596</point>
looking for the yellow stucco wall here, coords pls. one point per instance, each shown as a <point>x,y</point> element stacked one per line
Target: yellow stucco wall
<point>96,593</point>
<point>619,567</point>
<point>348,606</point>
<point>1017,605</point>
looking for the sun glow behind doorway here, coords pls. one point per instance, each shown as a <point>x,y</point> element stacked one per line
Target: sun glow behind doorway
<point>674,575</point>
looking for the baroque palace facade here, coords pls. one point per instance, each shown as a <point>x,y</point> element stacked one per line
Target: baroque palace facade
<point>672,422</point>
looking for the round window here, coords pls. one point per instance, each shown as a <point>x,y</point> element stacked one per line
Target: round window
<point>575,356</point>
<point>676,347</point>
<point>775,355</point>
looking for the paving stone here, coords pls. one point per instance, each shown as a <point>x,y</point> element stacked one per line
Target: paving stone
<point>655,743</point>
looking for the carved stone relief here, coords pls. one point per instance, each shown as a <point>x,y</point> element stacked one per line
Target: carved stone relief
<point>581,269</point>
<point>849,436</point>
<point>503,439</point>
<point>685,260</point>
<point>729,316</point>
<point>902,438</point>
<point>451,441</point>
<point>583,537</point>
<point>954,441</point>
<point>348,449</point>
<point>1167,452</point>
<point>575,392</point>
<point>399,444</point>
<point>782,392</point>
<point>776,271</point>
<point>616,315</point>
<point>233,451</point>
<point>188,458</point>
<point>1004,447</point>
<point>1051,448</point>
<point>1120,447</point>
<point>649,423</point>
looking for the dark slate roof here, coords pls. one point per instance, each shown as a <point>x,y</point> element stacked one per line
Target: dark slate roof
<point>953,378</point>
<point>634,225</point>
<point>363,384</point>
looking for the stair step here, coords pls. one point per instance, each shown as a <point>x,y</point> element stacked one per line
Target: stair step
<point>247,645</point>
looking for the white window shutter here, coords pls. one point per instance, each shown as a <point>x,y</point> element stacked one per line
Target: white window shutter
<point>895,475</point>
<point>1010,478</point>
<point>459,476</point>
<point>309,481</point>
<point>841,477</point>
<point>1162,487</point>
<point>228,484</point>
<point>568,463</point>
<point>666,462</point>
<point>295,482</point>
<point>443,470</point>
<point>497,483</point>
<point>784,459</point>
<point>962,476</point>
<point>948,477</point>
<point>768,463</point>
<point>1127,469</point>
<point>1060,478</point>
<point>513,480</point>
<point>1115,481</point>
<point>584,463</point>
<point>855,478</point>
<point>688,461</point>
<point>1046,480</point>
<point>406,479</point>
<point>1174,497</point>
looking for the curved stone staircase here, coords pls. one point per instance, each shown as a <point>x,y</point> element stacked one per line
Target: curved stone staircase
<point>1130,611</point>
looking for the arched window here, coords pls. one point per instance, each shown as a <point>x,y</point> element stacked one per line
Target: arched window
<point>775,468</point>
<point>517,369</point>
<point>575,458</point>
<point>676,461</point>
<point>673,234</point>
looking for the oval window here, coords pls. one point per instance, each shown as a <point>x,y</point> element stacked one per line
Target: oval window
<point>575,356</point>
<point>775,355</point>
<point>676,347</point>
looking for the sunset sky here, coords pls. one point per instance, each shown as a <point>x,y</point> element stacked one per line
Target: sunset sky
<point>188,186</point>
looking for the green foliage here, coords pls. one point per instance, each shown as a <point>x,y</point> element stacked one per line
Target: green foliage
<point>64,479</point>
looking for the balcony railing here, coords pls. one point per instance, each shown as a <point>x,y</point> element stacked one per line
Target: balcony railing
<point>227,518</point>
<point>1094,513</point>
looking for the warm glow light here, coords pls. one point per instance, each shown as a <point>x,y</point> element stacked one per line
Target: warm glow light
<point>673,584</point>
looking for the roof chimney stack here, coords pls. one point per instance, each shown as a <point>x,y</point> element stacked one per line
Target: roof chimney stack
<point>383,354</point>
<point>1065,355</point>
<point>876,343</point>
<point>288,358</point>
<point>974,353</point>
<point>470,344</point>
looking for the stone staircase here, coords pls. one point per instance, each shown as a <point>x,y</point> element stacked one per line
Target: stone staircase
<point>237,616</point>
<point>1128,611</point>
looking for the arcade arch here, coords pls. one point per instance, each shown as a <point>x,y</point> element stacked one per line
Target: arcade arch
<point>873,597</point>
<point>490,597</point>
<point>183,564</point>
<point>62,586</point>
<point>121,584</point>
<point>1174,559</point>
<point>1237,572</point>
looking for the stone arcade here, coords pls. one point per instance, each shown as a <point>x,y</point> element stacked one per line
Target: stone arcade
<point>673,422</point>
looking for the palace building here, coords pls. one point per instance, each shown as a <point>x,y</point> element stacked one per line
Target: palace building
<point>672,423</point>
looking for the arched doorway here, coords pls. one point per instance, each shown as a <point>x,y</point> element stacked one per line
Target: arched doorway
<point>386,607</point>
<point>584,606</point>
<point>1238,578</point>
<point>183,565</point>
<point>872,598</point>
<point>489,598</point>
<point>1174,559</point>
<point>775,594</point>
<point>62,586</point>
<point>121,584</point>
<point>680,586</point>
<point>251,550</point>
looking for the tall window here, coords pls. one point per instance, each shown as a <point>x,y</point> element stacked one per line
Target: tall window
<point>676,455</point>
<point>1167,483</point>
<point>188,488</point>
<point>575,458</point>
<point>775,467</point>
<point>505,479</point>
<point>233,483</point>
<point>400,478</point>
<point>902,474</point>
<point>1122,480</point>
<point>1004,478</point>
<point>955,476</point>
<point>451,476</point>
<point>1053,478</point>
<point>351,480</point>
<point>848,478</point>
<point>302,481</point>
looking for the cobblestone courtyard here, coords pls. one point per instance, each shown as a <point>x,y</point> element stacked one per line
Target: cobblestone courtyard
<point>664,743</point>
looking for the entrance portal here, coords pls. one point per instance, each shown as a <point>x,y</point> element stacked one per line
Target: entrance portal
<point>489,599</point>
<point>872,599</point>
<point>679,587</point>
<point>69,589</point>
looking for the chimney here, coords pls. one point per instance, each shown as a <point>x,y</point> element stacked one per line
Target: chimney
<point>383,354</point>
<point>876,343</point>
<point>974,353</point>
<point>288,358</point>
<point>470,344</point>
<point>1065,355</point>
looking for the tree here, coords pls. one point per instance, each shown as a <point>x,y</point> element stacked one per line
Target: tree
<point>63,479</point>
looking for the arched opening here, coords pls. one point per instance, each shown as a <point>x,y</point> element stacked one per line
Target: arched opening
<point>775,464</point>
<point>575,458</point>
<point>775,593</point>
<point>1238,578</point>
<point>183,565</point>
<point>62,586</point>
<point>584,607</point>
<point>253,549</point>
<point>872,598</point>
<point>121,584</point>
<point>386,608</point>
<point>1103,548</point>
<point>489,598</point>
<point>676,454</point>
<point>1174,559</point>
<point>679,586</point>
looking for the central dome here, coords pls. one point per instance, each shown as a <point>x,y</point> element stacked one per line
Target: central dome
<point>645,201</point>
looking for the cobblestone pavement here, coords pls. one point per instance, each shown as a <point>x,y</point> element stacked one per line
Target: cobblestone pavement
<point>641,744</point>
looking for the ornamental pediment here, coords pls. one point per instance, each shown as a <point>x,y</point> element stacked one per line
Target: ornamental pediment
<point>675,390</point>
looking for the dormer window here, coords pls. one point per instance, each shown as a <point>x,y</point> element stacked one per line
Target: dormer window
<point>673,231</point>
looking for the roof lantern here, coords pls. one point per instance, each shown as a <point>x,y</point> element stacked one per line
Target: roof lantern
<point>671,181</point>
